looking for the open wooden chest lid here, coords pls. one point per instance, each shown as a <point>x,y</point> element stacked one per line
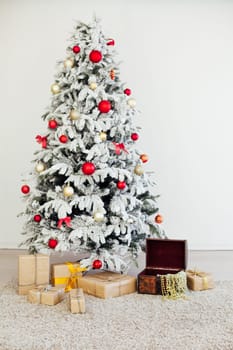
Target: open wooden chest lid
<point>166,253</point>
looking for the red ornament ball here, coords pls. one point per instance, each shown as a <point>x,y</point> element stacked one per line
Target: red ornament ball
<point>52,243</point>
<point>104,106</point>
<point>52,124</point>
<point>97,264</point>
<point>25,189</point>
<point>76,49</point>
<point>159,219</point>
<point>88,168</point>
<point>144,158</point>
<point>111,42</point>
<point>37,218</point>
<point>95,56</point>
<point>121,185</point>
<point>134,136</point>
<point>127,92</point>
<point>63,138</point>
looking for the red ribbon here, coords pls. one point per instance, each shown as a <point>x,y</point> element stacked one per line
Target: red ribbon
<point>65,220</point>
<point>42,140</point>
<point>119,147</point>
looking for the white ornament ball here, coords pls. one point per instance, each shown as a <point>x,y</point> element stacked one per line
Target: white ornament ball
<point>40,167</point>
<point>55,88</point>
<point>69,63</point>
<point>98,216</point>
<point>93,86</point>
<point>68,191</point>
<point>74,114</point>
<point>103,136</point>
<point>138,170</point>
<point>131,102</point>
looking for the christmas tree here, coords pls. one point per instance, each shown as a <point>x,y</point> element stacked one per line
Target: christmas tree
<point>88,191</point>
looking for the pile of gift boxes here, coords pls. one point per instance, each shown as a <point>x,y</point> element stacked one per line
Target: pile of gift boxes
<point>50,284</point>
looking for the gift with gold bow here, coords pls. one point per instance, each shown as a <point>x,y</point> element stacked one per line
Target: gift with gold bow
<point>199,280</point>
<point>66,275</point>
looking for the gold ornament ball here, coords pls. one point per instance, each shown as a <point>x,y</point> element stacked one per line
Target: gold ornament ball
<point>69,63</point>
<point>131,102</point>
<point>103,136</point>
<point>138,170</point>
<point>40,167</point>
<point>55,88</point>
<point>68,191</point>
<point>74,115</point>
<point>93,86</point>
<point>98,216</point>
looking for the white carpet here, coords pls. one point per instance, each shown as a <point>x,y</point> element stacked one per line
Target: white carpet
<point>145,322</point>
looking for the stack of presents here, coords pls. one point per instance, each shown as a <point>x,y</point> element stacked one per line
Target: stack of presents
<point>165,274</point>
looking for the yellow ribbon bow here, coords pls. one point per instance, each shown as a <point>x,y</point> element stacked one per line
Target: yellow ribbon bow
<point>75,272</point>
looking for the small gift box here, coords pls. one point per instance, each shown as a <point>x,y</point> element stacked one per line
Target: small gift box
<point>46,296</point>
<point>199,280</point>
<point>66,275</point>
<point>107,284</point>
<point>77,301</point>
<point>33,270</point>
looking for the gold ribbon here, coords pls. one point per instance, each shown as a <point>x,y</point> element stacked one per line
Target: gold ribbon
<point>200,274</point>
<point>72,280</point>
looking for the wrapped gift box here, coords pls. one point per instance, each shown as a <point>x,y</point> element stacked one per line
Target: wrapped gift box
<point>77,301</point>
<point>107,284</point>
<point>45,295</point>
<point>163,256</point>
<point>65,275</point>
<point>33,270</point>
<point>199,280</point>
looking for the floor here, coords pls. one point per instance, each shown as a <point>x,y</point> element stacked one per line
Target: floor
<point>219,263</point>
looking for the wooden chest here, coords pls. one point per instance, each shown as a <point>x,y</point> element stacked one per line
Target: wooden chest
<point>163,256</point>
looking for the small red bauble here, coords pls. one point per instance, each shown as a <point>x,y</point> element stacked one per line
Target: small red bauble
<point>95,56</point>
<point>25,189</point>
<point>97,264</point>
<point>52,243</point>
<point>88,168</point>
<point>111,42</point>
<point>104,106</point>
<point>52,124</point>
<point>144,158</point>
<point>37,218</point>
<point>134,136</point>
<point>159,219</point>
<point>127,92</point>
<point>63,138</point>
<point>121,185</point>
<point>76,49</point>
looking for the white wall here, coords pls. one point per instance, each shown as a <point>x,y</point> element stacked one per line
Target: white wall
<point>178,60</point>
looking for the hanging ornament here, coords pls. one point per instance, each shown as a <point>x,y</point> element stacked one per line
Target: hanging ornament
<point>103,136</point>
<point>98,216</point>
<point>127,92</point>
<point>131,102</point>
<point>159,219</point>
<point>52,124</point>
<point>134,136</point>
<point>97,264</point>
<point>119,147</point>
<point>63,138</point>
<point>111,42</point>
<point>88,168</point>
<point>138,170</point>
<point>37,218</point>
<point>76,49</point>
<point>55,88</point>
<point>112,74</point>
<point>74,114</point>
<point>52,243</point>
<point>25,189</point>
<point>93,86</point>
<point>104,106</point>
<point>121,185</point>
<point>144,158</point>
<point>40,167</point>
<point>42,140</point>
<point>66,220</point>
<point>69,63</point>
<point>95,56</point>
<point>68,191</point>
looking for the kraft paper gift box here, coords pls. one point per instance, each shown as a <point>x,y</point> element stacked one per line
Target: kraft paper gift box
<point>33,270</point>
<point>77,301</point>
<point>66,275</point>
<point>163,256</point>
<point>107,284</point>
<point>45,295</point>
<point>199,280</point>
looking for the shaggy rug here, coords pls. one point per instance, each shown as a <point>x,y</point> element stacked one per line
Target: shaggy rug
<point>135,321</point>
